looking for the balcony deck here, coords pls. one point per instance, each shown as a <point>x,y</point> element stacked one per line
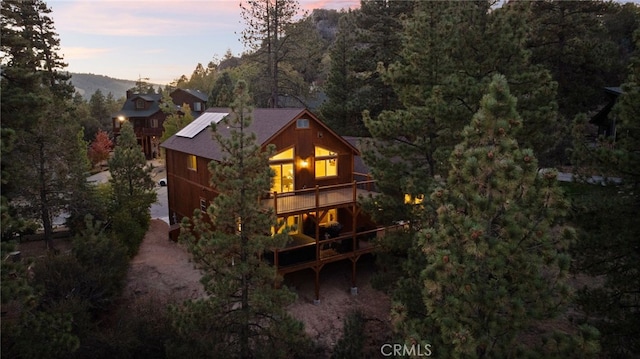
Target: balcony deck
<point>310,199</point>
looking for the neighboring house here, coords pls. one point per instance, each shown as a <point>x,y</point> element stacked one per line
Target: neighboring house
<point>143,111</point>
<point>315,188</point>
<point>605,121</point>
<point>197,100</point>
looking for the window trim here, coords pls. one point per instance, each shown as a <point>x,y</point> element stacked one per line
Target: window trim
<point>325,160</point>
<point>303,124</point>
<point>140,104</point>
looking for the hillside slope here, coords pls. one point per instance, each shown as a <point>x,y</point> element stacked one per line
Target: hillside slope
<point>87,84</point>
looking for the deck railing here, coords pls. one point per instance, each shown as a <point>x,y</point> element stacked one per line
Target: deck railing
<point>319,197</point>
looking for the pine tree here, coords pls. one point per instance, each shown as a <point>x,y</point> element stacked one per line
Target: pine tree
<point>176,121</point>
<point>450,51</point>
<point>132,188</point>
<point>267,24</point>
<point>244,315</point>
<point>36,97</point>
<point>609,235</point>
<point>367,38</point>
<point>497,257</point>
<point>222,92</point>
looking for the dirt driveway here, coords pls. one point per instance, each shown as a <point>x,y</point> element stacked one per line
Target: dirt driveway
<point>162,270</point>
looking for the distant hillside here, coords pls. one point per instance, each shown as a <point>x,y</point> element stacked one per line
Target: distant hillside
<point>87,84</point>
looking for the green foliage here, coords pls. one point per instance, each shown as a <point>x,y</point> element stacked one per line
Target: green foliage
<point>176,121</point>
<point>222,92</point>
<point>573,42</point>
<point>15,281</point>
<point>244,314</point>
<point>132,188</point>
<point>351,345</point>
<point>271,31</point>
<point>497,257</point>
<point>367,38</point>
<point>41,334</point>
<point>137,329</point>
<point>607,218</point>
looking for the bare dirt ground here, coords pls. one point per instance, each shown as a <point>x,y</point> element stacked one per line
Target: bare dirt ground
<point>162,270</point>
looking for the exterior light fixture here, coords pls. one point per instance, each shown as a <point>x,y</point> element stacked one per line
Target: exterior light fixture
<point>304,163</point>
<point>121,118</point>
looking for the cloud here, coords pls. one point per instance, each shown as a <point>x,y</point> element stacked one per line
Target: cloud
<point>80,53</point>
<point>141,17</point>
<point>330,4</point>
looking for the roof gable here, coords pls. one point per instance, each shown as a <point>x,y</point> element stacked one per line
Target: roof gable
<point>129,107</point>
<point>267,123</point>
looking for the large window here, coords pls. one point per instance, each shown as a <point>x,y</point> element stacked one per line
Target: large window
<point>192,163</point>
<point>326,162</point>
<point>282,165</point>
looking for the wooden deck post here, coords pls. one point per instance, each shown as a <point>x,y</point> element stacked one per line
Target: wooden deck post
<point>275,202</point>
<point>316,269</point>
<point>354,286</point>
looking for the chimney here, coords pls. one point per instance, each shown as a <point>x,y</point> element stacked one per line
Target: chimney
<point>129,93</point>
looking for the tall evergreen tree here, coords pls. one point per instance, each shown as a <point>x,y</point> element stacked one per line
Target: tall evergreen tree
<point>450,51</point>
<point>244,315</point>
<point>268,31</point>
<point>607,218</point>
<point>132,188</point>
<point>570,39</point>
<point>99,110</point>
<point>222,92</point>
<point>497,257</point>
<point>36,99</point>
<point>368,37</point>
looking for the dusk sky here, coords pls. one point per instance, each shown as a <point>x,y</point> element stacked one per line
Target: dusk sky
<point>157,39</point>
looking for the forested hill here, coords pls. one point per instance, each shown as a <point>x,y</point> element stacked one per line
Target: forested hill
<point>87,84</point>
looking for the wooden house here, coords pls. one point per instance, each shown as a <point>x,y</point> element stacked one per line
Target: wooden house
<point>143,111</point>
<point>315,188</point>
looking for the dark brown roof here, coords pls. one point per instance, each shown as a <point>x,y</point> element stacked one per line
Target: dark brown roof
<point>266,124</point>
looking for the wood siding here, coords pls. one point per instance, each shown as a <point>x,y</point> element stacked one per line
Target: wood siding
<point>304,142</point>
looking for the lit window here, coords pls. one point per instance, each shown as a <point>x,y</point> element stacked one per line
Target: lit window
<point>192,163</point>
<point>284,155</point>
<point>282,166</point>
<point>409,199</point>
<point>326,162</point>
<point>302,123</point>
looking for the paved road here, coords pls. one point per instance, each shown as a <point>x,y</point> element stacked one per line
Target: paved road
<point>160,209</point>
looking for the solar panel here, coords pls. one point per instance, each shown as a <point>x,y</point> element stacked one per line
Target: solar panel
<point>200,123</point>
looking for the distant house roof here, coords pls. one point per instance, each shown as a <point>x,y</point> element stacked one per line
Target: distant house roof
<point>606,125</point>
<point>197,93</point>
<point>129,106</point>
<point>266,124</point>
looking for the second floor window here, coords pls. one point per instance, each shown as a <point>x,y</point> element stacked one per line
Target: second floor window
<point>154,123</point>
<point>197,106</point>
<point>326,162</point>
<point>192,163</point>
<point>139,104</point>
<point>282,165</point>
